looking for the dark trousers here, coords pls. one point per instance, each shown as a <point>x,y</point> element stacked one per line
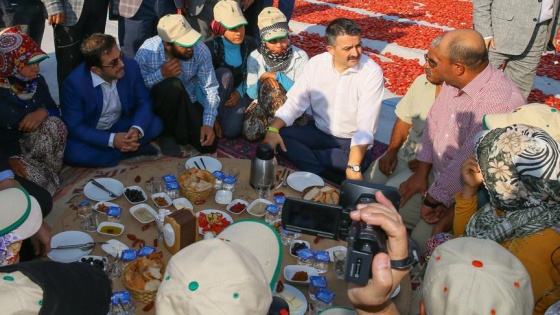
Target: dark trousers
<point>314,151</point>
<point>84,154</point>
<point>68,39</point>
<point>251,15</point>
<point>201,22</point>
<point>230,117</point>
<point>46,203</point>
<point>30,15</point>
<point>182,119</point>
<point>143,25</point>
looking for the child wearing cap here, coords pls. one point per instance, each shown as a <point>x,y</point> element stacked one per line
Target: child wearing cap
<point>272,71</point>
<point>230,49</point>
<point>519,165</point>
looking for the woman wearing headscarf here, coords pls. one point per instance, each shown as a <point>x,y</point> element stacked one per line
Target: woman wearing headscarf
<point>32,137</point>
<point>272,71</point>
<point>520,167</point>
<point>230,49</point>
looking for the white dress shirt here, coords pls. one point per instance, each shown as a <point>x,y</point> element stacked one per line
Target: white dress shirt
<point>345,105</point>
<point>111,112</point>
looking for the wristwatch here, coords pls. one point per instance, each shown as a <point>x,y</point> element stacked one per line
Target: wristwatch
<point>428,203</point>
<point>355,168</point>
<point>404,264</point>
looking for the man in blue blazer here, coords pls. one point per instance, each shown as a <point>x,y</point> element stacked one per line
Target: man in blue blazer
<point>107,108</point>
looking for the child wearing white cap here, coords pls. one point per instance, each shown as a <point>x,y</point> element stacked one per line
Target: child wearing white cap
<point>272,71</point>
<point>229,49</point>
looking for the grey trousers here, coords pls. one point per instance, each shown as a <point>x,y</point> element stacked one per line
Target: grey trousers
<point>522,69</point>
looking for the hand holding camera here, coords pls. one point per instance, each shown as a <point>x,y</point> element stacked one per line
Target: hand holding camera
<point>374,296</point>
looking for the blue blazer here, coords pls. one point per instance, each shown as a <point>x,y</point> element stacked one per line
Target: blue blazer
<point>82,103</point>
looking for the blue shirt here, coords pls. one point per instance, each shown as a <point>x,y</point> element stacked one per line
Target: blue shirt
<point>197,72</point>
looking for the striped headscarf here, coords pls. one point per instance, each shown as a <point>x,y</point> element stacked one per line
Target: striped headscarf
<point>520,166</point>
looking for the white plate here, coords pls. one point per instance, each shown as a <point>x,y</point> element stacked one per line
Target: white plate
<point>554,309</point>
<point>69,238</point>
<point>95,193</point>
<point>110,225</point>
<point>301,180</point>
<point>108,204</point>
<point>113,247</point>
<point>145,206</point>
<point>136,188</point>
<point>225,215</point>
<point>211,163</point>
<point>301,310</point>
<point>290,271</point>
<point>396,292</point>
<point>332,249</point>
<point>164,196</point>
<point>234,202</point>
<point>252,205</point>
<point>181,203</point>
<point>298,241</point>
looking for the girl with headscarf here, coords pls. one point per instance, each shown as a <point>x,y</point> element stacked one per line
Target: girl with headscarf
<point>32,137</point>
<point>520,167</point>
<point>272,71</point>
<point>230,49</point>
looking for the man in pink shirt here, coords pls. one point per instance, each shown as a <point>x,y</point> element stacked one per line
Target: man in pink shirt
<point>471,89</point>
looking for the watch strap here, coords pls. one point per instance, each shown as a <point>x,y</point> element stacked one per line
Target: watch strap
<point>430,204</point>
<point>403,264</point>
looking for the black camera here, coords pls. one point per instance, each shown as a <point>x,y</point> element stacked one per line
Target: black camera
<point>333,222</point>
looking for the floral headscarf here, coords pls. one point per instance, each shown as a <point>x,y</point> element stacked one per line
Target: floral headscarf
<point>16,51</point>
<point>520,166</point>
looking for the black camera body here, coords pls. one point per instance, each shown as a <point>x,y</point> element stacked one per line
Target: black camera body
<point>333,222</point>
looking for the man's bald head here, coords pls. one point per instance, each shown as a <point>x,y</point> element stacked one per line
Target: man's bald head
<point>465,46</point>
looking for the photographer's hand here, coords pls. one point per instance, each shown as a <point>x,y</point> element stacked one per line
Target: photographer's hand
<point>374,298</point>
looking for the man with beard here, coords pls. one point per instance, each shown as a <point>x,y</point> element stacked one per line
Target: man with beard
<point>177,68</point>
<point>107,108</point>
<point>344,90</point>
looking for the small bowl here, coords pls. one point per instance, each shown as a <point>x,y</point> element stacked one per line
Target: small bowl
<point>290,271</point>
<point>181,203</point>
<point>256,209</point>
<point>110,228</point>
<point>298,241</point>
<point>139,214</point>
<point>136,188</point>
<point>223,197</point>
<point>335,248</point>
<point>234,202</point>
<point>106,203</point>
<point>165,196</point>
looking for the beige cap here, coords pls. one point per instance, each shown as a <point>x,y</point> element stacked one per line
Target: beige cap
<point>19,294</point>
<point>22,215</point>
<point>272,24</point>
<point>229,14</point>
<point>468,275</point>
<point>535,114</point>
<point>233,273</point>
<point>174,28</point>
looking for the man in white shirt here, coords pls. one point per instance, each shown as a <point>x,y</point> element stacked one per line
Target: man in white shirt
<point>107,108</point>
<point>343,89</point>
